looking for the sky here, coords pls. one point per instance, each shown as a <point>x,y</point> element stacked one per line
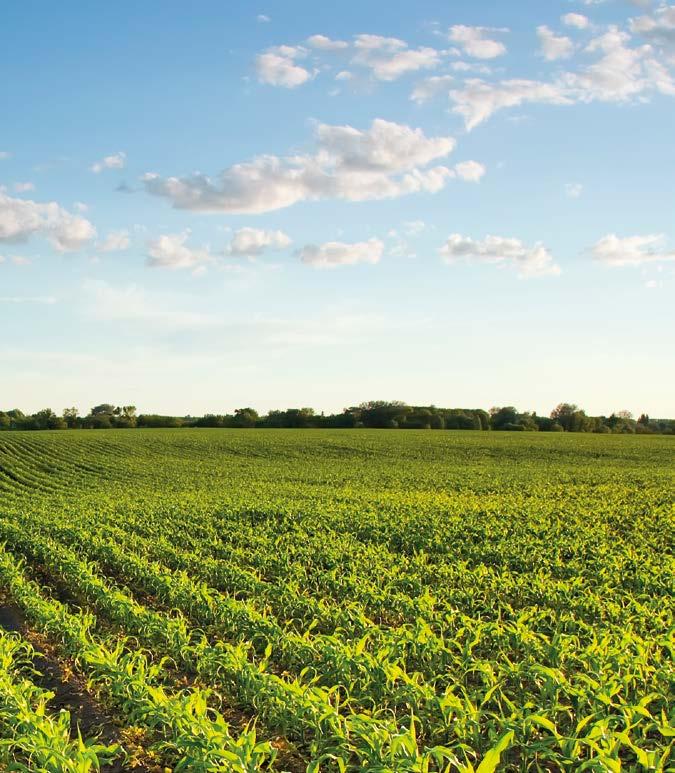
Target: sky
<point>290,203</point>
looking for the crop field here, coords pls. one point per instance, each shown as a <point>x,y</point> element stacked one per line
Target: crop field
<point>226,600</point>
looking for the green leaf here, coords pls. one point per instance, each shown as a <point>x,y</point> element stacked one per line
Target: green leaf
<point>491,760</point>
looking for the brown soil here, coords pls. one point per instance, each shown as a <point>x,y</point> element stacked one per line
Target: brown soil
<point>70,693</point>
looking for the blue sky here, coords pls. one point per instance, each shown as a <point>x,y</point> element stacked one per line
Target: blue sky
<point>291,203</point>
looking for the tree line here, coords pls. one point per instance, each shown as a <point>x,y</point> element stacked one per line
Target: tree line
<point>376,414</point>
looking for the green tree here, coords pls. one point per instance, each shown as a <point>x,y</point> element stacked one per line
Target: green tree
<point>71,417</point>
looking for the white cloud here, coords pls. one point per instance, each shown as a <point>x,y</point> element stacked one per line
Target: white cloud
<point>613,250</point>
<point>80,206</point>
<point>505,252</point>
<point>577,20</point>
<point>254,241</point>
<point>171,251</point>
<point>263,18</point>
<point>324,43</point>
<point>390,58</point>
<point>24,187</point>
<point>385,147</point>
<point>573,190</point>
<point>277,67</point>
<point>478,100</point>
<point>430,87</point>
<point>386,59</point>
<point>334,254</point>
<point>4,155</point>
<point>385,161</point>
<point>620,73</point>
<point>114,161</point>
<point>658,28</point>
<point>471,171</point>
<point>22,218</point>
<point>115,241</point>
<point>554,47</point>
<point>475,41</point>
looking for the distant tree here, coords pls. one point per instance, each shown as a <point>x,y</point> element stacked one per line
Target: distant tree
<point>103,409</point>
<point>436,421</point>
<point>99,421</point>
<point>570,417</point>
<point>528,421</point>
<point>644,419</point>
<point>47,419</point>
<point>380,413</point>
<point>156,421</point>
<point>245,417</point>
<point>501,417</point>
<point>71,416</point>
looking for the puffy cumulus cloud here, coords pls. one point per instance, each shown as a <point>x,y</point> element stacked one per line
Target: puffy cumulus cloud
<point>554,47</point>
<point>22,218</point>
<point>324,43</point>
<point>385,59</point>
<point>476,41</point>
<point>255,241</point>
<point>334,254</point>
<point>577,20</point>
<point>385,161</point>
<point>471,171</point>
<point>620,73</point>
<point>24,187</point>
<point>505,252</point>
<point>658,28</point>
<point>115,241</point>
<point>263,18</point>
<point>385,147</point>
<point>613,250</point>
<point>114,161</point>
<point>390,58</point>
<point>278,67</point>
<point>171,251</point>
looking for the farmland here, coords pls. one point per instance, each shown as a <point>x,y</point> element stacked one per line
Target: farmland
<point>336,601</point>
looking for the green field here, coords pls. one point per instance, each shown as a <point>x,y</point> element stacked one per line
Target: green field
<point>336,601</point>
